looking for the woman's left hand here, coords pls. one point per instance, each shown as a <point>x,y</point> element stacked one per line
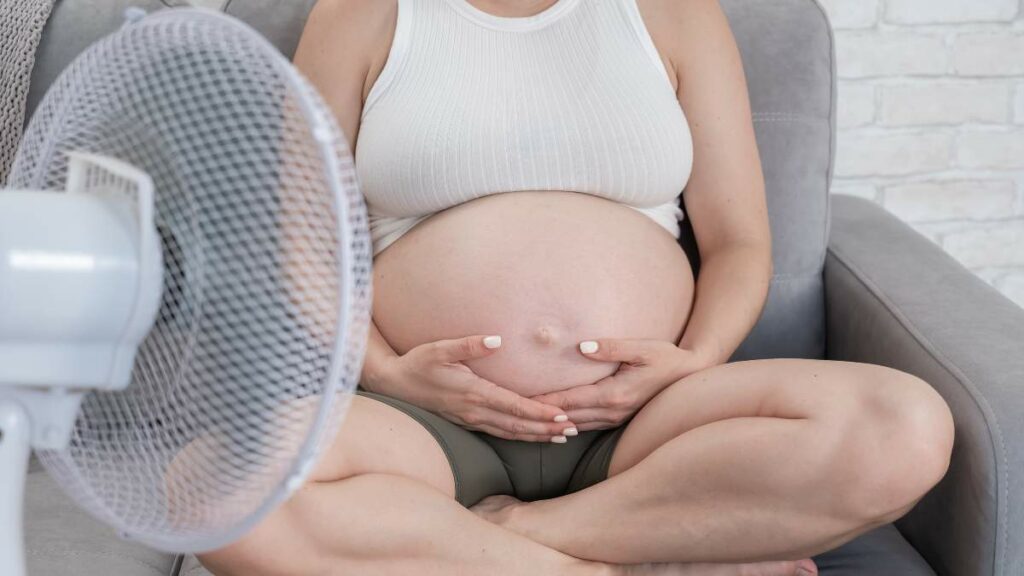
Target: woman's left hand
<point>647,367</point>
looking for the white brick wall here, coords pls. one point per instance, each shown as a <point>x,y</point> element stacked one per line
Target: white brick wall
<point>931,123</point>
<point>1019,106</point>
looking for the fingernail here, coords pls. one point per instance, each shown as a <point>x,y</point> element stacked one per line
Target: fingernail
<point>800,571</point>
<point>492,341</point>
<point>570,431</point>
<point>588,347</point>
<point>561,418</point>
<point>559,439</point>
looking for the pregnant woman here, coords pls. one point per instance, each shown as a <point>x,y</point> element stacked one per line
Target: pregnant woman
<point>546,387</point>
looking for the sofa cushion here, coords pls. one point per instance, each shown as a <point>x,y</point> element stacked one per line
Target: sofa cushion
<point>880,552</point>
<point>62,539</point>
<point>75,24</point>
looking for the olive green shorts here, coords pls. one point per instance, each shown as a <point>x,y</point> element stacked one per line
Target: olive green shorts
<point>484,465</point>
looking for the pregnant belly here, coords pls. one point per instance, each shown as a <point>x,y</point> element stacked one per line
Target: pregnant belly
<point>543,269</point>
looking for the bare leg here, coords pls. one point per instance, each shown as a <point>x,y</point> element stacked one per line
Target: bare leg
<point>381,501</point>
<point>385,506</point>
<point>391,525</point>
<point>756,460</point>
<point>386,524</point>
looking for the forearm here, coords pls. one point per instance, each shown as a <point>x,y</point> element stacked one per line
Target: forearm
<point>378,354</point>
<point>731,290</point>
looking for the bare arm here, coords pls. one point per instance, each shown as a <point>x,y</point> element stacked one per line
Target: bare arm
<point>337,51</point>
<point>725,199</point>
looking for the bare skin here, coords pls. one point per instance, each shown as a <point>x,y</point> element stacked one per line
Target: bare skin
<point>780,458</point>
<point>738,469</point>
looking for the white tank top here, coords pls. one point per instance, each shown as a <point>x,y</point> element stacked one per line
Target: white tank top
<point>470,104</point>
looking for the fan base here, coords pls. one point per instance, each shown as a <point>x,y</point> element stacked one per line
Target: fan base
<point>14,454</point>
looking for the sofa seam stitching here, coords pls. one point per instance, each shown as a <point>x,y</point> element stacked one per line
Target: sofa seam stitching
<point>833,127</point>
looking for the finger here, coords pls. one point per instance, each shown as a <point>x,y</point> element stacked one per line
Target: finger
<point>502,433</point>
<point>585,396</point>
<point>585,415</point>
<point>507,401</point>
<point>631,350</point>
<point>522,425</point>
<point>596,426</point>
<point>466,348</point>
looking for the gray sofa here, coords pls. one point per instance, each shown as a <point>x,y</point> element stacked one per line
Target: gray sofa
<point>851,283</point>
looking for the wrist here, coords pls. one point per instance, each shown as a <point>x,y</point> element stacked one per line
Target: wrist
<point>704,354</point>
<point>378,370</point>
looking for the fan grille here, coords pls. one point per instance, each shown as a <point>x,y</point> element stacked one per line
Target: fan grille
<point>260,337</point>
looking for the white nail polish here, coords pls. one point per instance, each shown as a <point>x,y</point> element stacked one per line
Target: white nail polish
<point>588,347</point>
<point>561,418</point>
<point>570,431</point>
<point>559,439</point>
<point>492,341</point>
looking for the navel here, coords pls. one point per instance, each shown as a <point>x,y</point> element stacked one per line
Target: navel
<point>545,335</point>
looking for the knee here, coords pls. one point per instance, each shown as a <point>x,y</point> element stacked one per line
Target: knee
<point>896,446</point>
<point>258,553</point>
<point>349,454</point>
<point>244,559</point>
<point>281,544</point>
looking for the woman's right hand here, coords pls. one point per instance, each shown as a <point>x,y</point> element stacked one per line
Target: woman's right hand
<point>433,377</point>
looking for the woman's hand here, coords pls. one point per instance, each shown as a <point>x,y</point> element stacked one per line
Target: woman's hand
<point>433,377</point>
<point>647,367</point>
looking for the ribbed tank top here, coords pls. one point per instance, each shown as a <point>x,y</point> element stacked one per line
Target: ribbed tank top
<point>470,104</point>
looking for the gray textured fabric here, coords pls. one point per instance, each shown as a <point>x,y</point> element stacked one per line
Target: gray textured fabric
<point>21,27</point>
<point>881,552</point>
<point>894,298</point>
<point>72,27</point>
<point>61,539</point>
<point>75,24</point>
<point>788,58</point>
<point>191,567</point>
<point>280,22</point>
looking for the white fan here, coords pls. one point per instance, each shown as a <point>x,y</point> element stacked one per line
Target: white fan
<point>184,285</point>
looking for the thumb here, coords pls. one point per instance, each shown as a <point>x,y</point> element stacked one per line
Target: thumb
<point>475,346</point>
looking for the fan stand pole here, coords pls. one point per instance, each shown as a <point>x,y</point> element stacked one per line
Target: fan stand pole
<point>14,455</point>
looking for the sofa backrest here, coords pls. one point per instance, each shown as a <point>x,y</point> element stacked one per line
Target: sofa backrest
<point>788,57</point>
<point>75,24</point>
<point>789,61</point>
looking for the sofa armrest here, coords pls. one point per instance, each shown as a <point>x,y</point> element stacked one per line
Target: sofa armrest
<point>895,298</point>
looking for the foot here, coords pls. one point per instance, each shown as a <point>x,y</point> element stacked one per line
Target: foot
<point>507,512</point>
<point>500,509</point>
<point>805,567</point>
<point>497,509</point>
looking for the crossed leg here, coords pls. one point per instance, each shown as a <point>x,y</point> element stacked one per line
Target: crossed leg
<point>381,501</point>
<point>758,460</point>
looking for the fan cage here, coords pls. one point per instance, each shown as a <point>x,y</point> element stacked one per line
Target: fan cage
<point>259,342</point>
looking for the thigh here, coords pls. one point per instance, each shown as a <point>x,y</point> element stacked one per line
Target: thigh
<point>389,435</point>
<point>777,387</point>
<point>374,437</point>
<point>377,436</point>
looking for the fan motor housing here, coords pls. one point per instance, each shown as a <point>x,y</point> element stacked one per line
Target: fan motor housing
<point>70,286</point>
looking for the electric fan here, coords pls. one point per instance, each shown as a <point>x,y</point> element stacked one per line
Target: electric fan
<point>184,284</point>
